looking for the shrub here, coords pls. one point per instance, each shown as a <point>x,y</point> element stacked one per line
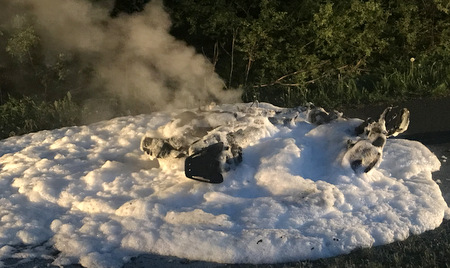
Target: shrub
<point>20,116</point>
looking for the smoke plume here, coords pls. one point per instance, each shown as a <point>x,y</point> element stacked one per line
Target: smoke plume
<point>133,56</point>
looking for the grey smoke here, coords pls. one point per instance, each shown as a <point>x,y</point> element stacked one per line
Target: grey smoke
<point>134,56</point>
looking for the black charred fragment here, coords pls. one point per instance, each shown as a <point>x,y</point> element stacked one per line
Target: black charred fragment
<point>356,164</point>
<point>374,162</point>
<point>379,142</point>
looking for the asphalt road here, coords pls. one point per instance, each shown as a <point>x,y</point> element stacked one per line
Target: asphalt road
<point>430,119</point>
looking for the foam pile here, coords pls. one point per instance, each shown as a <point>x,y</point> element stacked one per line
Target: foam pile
<point>90,193</point>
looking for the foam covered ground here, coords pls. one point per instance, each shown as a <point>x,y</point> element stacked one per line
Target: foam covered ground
<point>90,193</point>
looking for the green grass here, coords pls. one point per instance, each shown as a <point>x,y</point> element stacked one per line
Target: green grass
<point>397,84</point>
<point>399,81</point>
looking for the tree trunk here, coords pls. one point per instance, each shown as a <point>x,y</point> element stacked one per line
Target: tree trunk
<point>232,58</point>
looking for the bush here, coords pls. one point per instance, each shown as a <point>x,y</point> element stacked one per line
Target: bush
<point>332,53</point>
<point>20,116</point>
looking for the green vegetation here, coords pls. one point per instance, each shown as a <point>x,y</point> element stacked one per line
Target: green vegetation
<point>20,116</point>
<point>332,53</point>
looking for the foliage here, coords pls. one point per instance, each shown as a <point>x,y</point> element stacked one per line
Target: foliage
<point>29,70</point>
<point>23,39</point>
<point>20,116</point>
<point>333,52</point>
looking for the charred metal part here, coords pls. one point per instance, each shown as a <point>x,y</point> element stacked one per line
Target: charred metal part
<point>209,151</point>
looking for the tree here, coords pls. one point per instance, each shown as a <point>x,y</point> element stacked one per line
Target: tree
<point>22,40</point>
